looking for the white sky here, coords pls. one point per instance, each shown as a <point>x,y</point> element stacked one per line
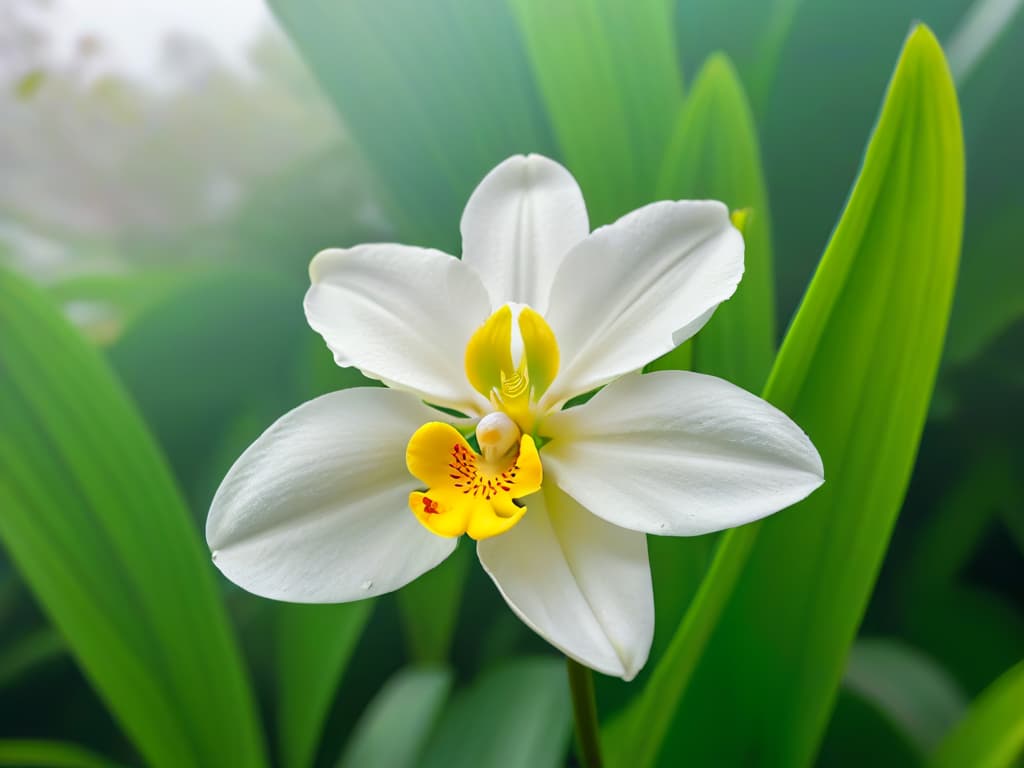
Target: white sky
<point>132,30</point>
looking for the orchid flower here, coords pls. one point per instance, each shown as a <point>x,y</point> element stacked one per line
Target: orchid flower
<point>358,492</point>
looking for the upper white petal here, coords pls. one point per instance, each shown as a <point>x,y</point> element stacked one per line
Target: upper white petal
<point>582,584</point>
<point>518,225</point>
<point>400,314</point>
<point>679,453</point>
<point>316,510</point>
<point>637,288</point>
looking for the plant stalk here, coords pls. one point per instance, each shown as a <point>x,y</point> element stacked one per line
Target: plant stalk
<point>584,708</point>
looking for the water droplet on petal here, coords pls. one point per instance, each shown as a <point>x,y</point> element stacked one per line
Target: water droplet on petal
<point>366,584</point>
<point>214,556</point>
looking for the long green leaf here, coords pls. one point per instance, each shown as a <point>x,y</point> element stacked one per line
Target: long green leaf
<point>991,735</point>
<point>314,645</point>
<point>610,80</point>
<point>394,728</point>
<point>94,523</point>
<point>517,715</point>
<point>435,94</point>
<point>714,154</point>
<point>856,370</point>
<point>49,754</point>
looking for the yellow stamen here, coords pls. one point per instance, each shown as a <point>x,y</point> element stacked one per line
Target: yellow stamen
<point>466,492</point>
<point>513,386</point>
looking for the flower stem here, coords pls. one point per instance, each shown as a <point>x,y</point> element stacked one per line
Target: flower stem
<point>584,707</point>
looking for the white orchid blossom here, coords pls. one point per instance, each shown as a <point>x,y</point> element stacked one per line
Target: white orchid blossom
<point>358,492</point>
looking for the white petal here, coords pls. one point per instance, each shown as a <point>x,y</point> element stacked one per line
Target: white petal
<point>519,223</point>
<point>316,510</point>
<point>580,583</point>
<point>399,314</point>
<point>680,454</point>
<point>637,288</point>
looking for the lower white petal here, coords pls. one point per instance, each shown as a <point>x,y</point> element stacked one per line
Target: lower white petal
<point>582,584</point>
<point>316,510</point>
<point>679,454</point>
<point>402,315</point>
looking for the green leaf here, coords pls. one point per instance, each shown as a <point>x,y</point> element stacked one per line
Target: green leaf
<point>314,645</point>
<point>394,728</point>
<point>429,607</point>
<point>992,733</point>
<point>910,689</point>
<point>49,754</point>
<point>856,371</point>
<point>714,154</point>
<point>435,94</point>
<point>517,715</point>
<point>611,84</point>
<point>635,738</point>
<point>94,523</point>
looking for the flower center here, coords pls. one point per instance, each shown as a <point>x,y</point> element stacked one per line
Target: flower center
<point>512,364</point>
<point>514,386</point>
<point>468,492</point>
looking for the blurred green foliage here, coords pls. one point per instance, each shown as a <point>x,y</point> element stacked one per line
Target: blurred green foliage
<point>787,643</point>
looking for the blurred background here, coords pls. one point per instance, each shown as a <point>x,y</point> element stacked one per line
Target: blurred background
<point>167,170</point>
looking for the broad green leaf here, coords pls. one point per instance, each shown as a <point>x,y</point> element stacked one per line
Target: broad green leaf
<point>429,607</point>
<point>394,728</point>
<point>856,371</point>
<point>991,735</point>
<point>314,645</point>
<point>435,94</point>
<point>49,754</point>
<point>636,736</point>
<point>917,695</point>
<point>611,83</point>
<point>94,523</point>
<point>714,154</point>
<point>517,715</point>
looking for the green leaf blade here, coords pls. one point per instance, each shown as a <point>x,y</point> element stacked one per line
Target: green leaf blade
<point>856,371</point>
<point>611,108</point>
<point>876,313</point>
<point>314,645</point>
<point>394,728</point>
<point>991,735</point>
<point>95,524</point>
<point>531,698</point>
<point>714,154</point>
